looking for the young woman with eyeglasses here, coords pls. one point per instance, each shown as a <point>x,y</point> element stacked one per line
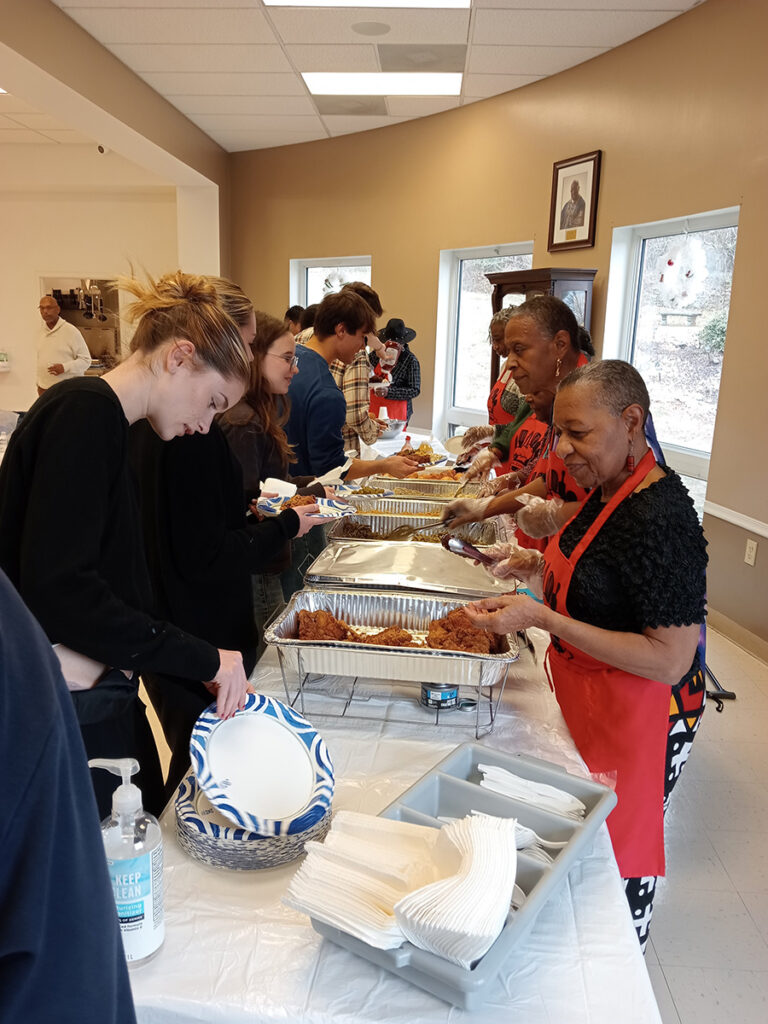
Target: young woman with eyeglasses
<point>254,430</point>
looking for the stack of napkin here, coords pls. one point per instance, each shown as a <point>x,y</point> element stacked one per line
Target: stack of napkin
<point>445,890</point>
<point>539,794</point>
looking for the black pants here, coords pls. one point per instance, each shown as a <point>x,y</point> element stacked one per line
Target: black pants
<point>178,703</point>
<point>113,723</point>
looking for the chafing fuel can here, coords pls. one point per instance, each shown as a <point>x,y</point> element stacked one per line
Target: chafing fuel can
<point>439,695</point>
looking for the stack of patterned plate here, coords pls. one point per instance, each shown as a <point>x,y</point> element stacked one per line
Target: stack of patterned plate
<point>260,787</point>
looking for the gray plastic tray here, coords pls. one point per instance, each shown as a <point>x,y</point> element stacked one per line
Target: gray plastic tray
<point>452,789</point>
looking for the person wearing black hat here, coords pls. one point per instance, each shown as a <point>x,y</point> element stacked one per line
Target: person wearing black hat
<point>406,373</point>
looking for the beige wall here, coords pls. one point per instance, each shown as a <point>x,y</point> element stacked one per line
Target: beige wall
<point>680,115</point>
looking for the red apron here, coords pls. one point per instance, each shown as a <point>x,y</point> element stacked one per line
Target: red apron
<point>618,721</point>
<point>559,484</point>
<point>396,410</point>
<point>524,444</point>
<point>497,416</point>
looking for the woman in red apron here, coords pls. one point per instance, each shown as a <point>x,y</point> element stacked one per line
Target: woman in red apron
<point>623,608</point>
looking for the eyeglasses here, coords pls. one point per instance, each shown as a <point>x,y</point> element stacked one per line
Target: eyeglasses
<point>289,360</point>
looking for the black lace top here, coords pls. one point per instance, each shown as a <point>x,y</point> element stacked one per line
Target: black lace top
<point>647,565</point>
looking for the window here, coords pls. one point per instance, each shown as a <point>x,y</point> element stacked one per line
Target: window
<point>312,280</point>
<point>462,370</point>
<point>667,314</point>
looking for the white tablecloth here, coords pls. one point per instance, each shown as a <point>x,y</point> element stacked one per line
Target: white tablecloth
<point>233,953</point>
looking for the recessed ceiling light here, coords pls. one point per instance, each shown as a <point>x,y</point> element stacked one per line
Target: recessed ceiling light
<point>382,83</point>
<point>453,4</point>
<point>3,91</point>
<point>371,28</point>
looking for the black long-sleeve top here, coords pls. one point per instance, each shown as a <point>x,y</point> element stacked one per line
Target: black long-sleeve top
<point>70,535</point>
<point>200,550</point>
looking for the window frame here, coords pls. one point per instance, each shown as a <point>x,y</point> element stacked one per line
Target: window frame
<point>297,273</point>
<point>445,413</point>
<point>623,296</point>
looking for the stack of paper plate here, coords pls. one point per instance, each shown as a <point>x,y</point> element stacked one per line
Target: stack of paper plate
<point>261,786</point>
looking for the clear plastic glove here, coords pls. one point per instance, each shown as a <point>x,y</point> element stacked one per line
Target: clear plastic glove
<point>539,517</point>
<point>482,464</point>
<point>497,484</point>
<point>465,510</point>
<point>474,435</point>
<point>506,614</point>
<point>514,562</point>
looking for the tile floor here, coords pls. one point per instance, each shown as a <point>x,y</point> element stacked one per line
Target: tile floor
<point>708,953</point>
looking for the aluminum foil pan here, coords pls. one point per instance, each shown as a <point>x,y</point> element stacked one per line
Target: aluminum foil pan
<point>437,490</point>
<point>401,506</point>
<point>401,565</point>
<point>367,608</point>
<point>353,527</point>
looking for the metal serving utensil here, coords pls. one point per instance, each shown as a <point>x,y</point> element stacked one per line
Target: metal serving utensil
<point>406,531</point>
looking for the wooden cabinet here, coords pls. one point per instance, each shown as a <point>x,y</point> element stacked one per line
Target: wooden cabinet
<point>572,285</point>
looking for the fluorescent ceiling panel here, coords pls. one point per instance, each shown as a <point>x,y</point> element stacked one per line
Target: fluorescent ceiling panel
<point>453,4</point>
<point>382,83</point>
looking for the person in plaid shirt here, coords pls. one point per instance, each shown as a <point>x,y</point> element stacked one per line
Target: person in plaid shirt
<point>353,383</point>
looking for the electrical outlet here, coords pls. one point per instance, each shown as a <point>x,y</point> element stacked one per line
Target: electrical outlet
<point>750,552</point>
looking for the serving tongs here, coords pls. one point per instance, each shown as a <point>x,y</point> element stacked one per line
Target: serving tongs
<point>406,531</point>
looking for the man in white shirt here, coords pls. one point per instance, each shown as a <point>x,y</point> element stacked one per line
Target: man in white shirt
<point>62,352</point>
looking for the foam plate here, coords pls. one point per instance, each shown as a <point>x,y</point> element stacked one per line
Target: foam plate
<point>265,769</point>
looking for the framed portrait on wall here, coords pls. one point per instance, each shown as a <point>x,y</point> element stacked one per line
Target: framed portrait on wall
<point>573,210</point>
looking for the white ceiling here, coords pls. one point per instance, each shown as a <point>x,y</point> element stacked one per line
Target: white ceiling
<point>233,67</point>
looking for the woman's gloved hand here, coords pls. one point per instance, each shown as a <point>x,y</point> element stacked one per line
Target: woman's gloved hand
<point>539,517</point>
<point>514,562</point>
<point>473,435</point>
<point>465,510</point>
<point>497,484</point>
<point>482,464</point>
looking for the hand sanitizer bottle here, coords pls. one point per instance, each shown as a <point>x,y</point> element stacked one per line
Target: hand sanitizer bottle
<point>134,849</point>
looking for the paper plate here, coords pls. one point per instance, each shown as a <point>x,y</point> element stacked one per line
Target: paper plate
<point>265,769</point>
<point>205,834</point>
<point>327,507</point>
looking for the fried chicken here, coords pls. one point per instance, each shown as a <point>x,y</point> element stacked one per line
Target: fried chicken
<point>301,499</point>
<point>392,636</point>
<point>321,625</point>
<point>455,632</point>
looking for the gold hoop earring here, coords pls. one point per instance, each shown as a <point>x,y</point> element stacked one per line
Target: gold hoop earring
<point>557,369</point>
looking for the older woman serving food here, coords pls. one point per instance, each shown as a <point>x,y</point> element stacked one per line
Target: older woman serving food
<point>623,586</point>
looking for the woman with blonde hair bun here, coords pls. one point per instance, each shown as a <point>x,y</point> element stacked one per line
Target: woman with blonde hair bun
<point>70,533</point>
<point>201,549</point>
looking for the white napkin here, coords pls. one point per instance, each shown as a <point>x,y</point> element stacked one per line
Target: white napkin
<point>550,798</point>
<point>333,476</point>
<point>282,488</point>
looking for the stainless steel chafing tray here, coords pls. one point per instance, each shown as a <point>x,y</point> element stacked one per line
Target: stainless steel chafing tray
<point>403,565</point>
<point>481,533</point>
<point>366,608</point>
<point>436,490</point>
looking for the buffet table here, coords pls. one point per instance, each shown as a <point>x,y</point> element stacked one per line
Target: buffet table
<point>233,953</point>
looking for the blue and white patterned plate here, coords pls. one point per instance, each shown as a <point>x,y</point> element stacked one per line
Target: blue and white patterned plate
<point>205,834</point>
<point>326,507</point>
<point>265,769</point>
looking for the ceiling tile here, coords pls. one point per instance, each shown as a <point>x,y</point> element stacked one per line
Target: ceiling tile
<point>527,60</point>
<point>142,57</point>
<point>422,57</point>
<point>12,105</point>
<point>420,106</point>
<point>6,122</point>
<point>23,136</point>
<point>288,105</point>
<point>592,5</point>
<point>357,106</point>
<point>343,125</point>
<point>40,122</point>
<point>68,5</point>
<point>236,142</point>
<point>301,25</point>
<point>237,84</point>
<point>564,28</point>
<point>149,25</point>
<point>68,137</point>
<point>331,57</point>
<point>257,122</point>
<point>482,86</point>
